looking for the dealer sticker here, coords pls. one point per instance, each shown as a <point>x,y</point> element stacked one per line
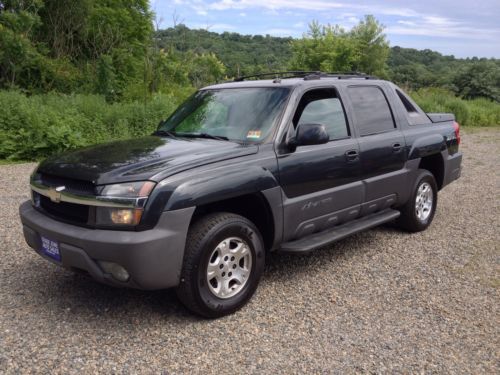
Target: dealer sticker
<point>254,134</point>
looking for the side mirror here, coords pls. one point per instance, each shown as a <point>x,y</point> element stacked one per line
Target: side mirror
<point>308,135</point>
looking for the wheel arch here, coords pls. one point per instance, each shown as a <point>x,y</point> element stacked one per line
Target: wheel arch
<point>253,206</point>
<point>435,164</point>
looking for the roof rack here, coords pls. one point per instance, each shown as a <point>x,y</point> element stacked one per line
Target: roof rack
<point>307,75</point>
<point>286,74</point>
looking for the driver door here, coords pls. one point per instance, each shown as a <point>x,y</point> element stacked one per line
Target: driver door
<point>321,183</point>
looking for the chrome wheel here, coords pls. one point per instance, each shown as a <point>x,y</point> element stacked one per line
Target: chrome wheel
<point>424,201</point>
<point>229,267</point>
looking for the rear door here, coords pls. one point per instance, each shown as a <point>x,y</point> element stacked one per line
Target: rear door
<point>382,146</point>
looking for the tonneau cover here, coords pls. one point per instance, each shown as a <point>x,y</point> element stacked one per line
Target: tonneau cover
<point>441,117</point>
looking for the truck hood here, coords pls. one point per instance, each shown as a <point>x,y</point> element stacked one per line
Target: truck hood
<point>148,158</point>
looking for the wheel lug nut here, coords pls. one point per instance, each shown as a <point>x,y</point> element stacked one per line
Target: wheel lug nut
<point>221,266</point>
<point>226,258</point>
<point>223,274</point>
<point>232,258</point>
<point>234,265</point>
<point>229,274</point>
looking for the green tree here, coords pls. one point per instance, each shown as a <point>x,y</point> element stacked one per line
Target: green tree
<point>371,45</point>
<point>19,58</point>
<point>65,45</point>
<point>479,79</point>
<point>205,69</point>
<point>331,48</point>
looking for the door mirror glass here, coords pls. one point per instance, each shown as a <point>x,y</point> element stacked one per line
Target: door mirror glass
<point>309,134</point>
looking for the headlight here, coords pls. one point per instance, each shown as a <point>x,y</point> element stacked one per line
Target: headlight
<point>134,192</point>
<point>128,189</point>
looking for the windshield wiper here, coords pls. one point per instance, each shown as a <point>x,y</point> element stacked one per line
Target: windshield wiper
<point>165,133</point>
<point>203,135</point>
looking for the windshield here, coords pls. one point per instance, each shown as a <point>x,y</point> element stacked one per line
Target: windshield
<point>246,114</point>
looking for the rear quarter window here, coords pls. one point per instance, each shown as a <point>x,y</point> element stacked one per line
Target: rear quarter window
<point>371,110</point>
<point>414,114</point>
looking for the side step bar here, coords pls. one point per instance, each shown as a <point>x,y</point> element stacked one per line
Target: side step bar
<point>328,236</point>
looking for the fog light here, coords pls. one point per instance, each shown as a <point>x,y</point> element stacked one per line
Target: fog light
<point>117,271</point>
<point>118,216</point>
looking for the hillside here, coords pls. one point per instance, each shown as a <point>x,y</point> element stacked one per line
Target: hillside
<point>246,54</point>
<point>243,54</point>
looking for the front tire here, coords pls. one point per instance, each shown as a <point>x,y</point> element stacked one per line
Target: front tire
<point>418,212</point>
<point>223,262</point>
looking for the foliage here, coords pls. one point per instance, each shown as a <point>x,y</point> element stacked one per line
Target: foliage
<point>479,79</point>
<point>41,125</point>
<point>468,78</point>
<point>59,45</point>
<point>22,63</point>
<point>332,49</point>
<point>475,112</point>
<point>324,48</point>
<point>240,54</point>
<point>412,68</point>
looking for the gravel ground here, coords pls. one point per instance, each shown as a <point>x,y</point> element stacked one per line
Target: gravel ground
<point>381,301</point>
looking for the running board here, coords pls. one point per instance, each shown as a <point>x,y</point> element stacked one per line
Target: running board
<point>328,236</point>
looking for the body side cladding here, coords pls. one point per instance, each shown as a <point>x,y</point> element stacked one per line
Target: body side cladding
<point>274,199</point>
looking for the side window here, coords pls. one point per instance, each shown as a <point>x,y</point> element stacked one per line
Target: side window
<point>414,114</point>
<point>371,110</point>
<point>322,106</point>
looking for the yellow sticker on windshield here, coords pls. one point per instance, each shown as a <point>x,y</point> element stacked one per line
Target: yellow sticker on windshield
<point>254,134</point>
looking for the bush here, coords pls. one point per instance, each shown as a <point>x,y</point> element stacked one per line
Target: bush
<point>41,125</point>
<point>476,112</point>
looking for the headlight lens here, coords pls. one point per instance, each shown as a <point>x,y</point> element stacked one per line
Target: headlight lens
<point>113,216</point>
<point>128,189</point>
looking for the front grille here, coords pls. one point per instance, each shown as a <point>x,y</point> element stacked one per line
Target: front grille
<point>77,213</point>
<point>73,186</point>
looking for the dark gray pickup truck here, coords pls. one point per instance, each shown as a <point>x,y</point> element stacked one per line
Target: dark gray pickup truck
<point>240,169</point>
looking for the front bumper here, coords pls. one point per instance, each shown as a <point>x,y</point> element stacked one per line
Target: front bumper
<point>153,258</point>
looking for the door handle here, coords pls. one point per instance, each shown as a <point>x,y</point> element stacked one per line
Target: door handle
<point>351,155</point>
<point>396,147</point>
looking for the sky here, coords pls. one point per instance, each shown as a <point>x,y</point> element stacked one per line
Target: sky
<point>463,28</point>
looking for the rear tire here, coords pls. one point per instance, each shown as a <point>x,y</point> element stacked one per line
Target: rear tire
<point>418,212</point>
<point>223,262</point>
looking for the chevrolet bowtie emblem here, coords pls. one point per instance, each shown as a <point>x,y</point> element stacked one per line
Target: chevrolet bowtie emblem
<point>55,193</point>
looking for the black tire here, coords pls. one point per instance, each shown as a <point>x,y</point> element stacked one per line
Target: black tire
<point>409,220</point>
<point>203,238</point>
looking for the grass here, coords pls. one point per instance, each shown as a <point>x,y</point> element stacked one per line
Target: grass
<point>9,162</point>
<point>471,113</point>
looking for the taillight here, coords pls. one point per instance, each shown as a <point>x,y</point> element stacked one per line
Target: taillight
<point>456,125</point>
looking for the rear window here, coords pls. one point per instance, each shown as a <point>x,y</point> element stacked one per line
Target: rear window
<point>371,110</point>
